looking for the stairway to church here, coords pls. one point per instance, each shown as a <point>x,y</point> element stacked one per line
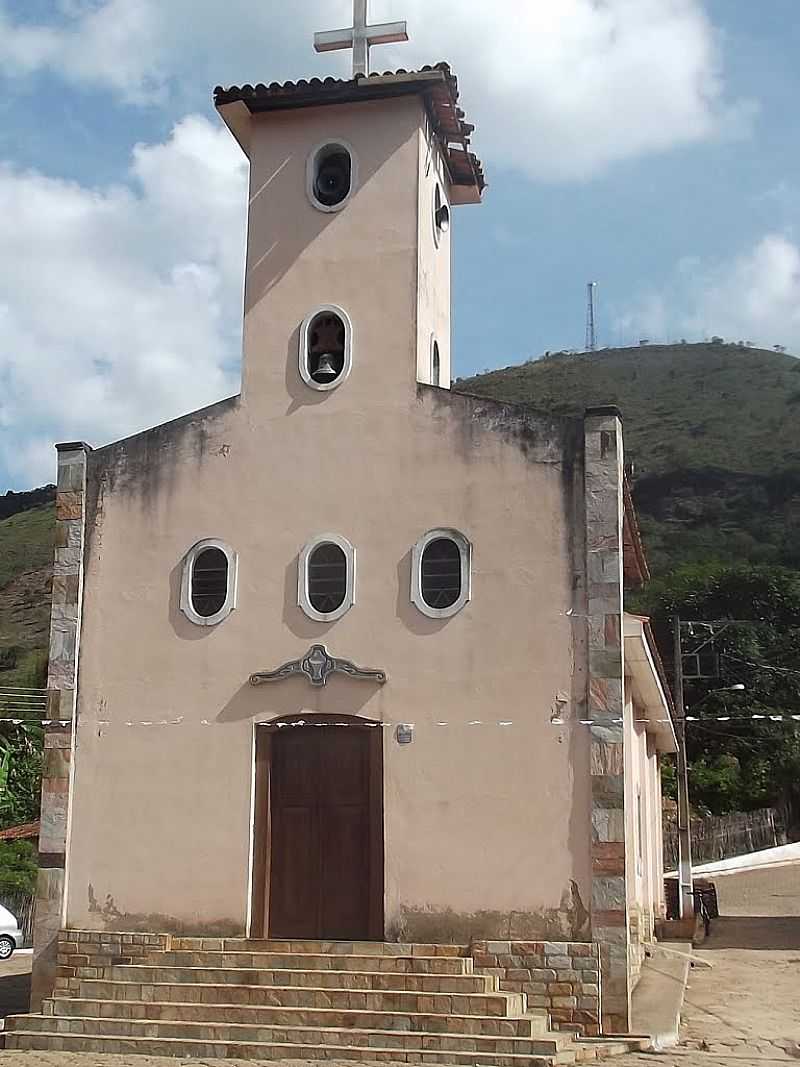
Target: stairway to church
<point>158,995</point>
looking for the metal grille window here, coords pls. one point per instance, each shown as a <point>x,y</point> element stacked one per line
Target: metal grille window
<point>327,578</point>
<point>209,582</point>
<point>441,573</point>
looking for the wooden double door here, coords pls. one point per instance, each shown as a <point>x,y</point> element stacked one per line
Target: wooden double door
<point>325,831</point>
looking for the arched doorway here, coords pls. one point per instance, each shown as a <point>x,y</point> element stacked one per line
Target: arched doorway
<point>319,829</point>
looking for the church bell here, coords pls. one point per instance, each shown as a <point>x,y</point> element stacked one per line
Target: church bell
<point>326,371</point>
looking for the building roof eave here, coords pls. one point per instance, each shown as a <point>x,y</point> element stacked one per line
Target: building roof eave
<point>437,85</point>
<point>642,666</point>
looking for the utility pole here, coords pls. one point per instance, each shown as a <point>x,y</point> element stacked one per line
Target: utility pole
<point>685,888</point>
<point>591,332</point>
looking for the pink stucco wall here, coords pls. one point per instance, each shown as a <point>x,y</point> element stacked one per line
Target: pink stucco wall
<point>486,827</point>
<point>644,859</point>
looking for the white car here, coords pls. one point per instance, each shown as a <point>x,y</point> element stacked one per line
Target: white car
<point>10,934</point>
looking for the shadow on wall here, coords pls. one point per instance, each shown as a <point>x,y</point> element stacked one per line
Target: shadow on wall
<point>287,185</point>
<point>302,396</point>
<point>296,696</point>
<point>407,613</point>
<point>294,618</point>
<point>182,628</point>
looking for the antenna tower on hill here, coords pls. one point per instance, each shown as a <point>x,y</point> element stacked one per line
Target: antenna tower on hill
<point>591,332</point>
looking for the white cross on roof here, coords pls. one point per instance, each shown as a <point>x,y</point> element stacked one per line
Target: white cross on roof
<point>360,36</point>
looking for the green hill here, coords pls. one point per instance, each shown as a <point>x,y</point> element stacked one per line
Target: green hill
<point>26,558</point>
<point>712,432</point>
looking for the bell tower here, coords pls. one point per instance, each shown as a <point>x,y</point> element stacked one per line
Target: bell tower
<point>352,182</point>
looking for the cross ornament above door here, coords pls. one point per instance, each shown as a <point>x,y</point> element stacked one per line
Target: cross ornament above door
<point>360,37</point>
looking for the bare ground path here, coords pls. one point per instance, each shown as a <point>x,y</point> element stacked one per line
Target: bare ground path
<point>746,1008</point>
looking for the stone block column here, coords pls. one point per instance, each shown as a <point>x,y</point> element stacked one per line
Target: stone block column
<point>604,475</point>
<point>59,740</point>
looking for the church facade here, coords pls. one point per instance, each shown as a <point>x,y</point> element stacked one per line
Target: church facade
<point>345,656</point>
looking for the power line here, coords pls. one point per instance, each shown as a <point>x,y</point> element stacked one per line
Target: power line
<point>763,666</point>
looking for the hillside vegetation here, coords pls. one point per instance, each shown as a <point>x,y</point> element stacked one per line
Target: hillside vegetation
<point>712,432</point>
<point>26,557</point>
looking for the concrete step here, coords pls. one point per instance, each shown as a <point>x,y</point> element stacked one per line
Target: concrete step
<point>181,1047</point>
<point>592,1049</point>
<point>240,989</point>
<point>369,979</point>
<point>337,948</point>
<point>309,961</point>
<point>243,1033</point>
<point>525,1026</point>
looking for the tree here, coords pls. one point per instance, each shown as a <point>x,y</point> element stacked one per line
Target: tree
<point>18,868</point>
<point>20,773</point>
<point>747,762</point>
<point>21,745</point>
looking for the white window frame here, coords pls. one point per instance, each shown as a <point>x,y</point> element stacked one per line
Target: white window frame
<point>311,168</point>
<point>186,582</point>
<point>440,195</point>
<point>465,552</point>
<point>303,600</point>
<point>325,387</point>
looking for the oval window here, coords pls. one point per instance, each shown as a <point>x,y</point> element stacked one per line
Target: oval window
<point>436,364</point>
<point>327,578</point>
<point>441,214</point>
<point>325,354</point>
<point>209,582</point>
<point>440,577</point>
<point>331,177</point>
<point>325,347</point>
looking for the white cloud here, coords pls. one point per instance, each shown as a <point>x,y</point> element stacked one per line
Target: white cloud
<point>119,307</point>
<point>559,88</point>
<point>753,297</point>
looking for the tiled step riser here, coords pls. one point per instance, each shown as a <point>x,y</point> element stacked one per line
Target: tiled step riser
<point>289,961</point>
<point>492,1004</point>
<point>524,1027</point>
<point>478,984</point>
<point>255,976</point>
<point>273,961</point>
<point>390,981</point>
<point>333,948</point>
<point>210,1050</point>
<point>397,983</point>
<point>225,1032</point>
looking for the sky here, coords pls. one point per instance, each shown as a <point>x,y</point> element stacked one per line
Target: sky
<point>649,145</point>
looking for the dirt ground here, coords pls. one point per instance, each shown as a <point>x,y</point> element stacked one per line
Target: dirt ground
<point>744,1010</point>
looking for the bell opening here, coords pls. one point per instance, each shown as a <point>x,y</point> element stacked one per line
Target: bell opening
<point>326,348</point>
